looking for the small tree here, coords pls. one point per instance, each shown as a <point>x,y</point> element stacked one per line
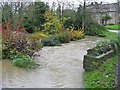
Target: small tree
<point>52,24</point>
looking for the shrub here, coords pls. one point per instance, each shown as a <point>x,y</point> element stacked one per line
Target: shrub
<point>61,37</point>
<point>50,41</point>
<point>36,29</point>
<point>57,39</point>
<point>76,35</point>
<point>68,36</point>
<point>38,35</point>
<point>14,41</point>
<point>35,39</point>
<point>65,35</point>
<point>103,43</point>
<point>19,51</point>
<point>22,60</point>
<point>52,24</point>
<point>94,29</point>
<point>27,23</point>
<point>17,43</point>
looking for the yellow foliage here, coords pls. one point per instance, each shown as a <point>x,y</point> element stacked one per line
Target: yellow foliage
<point>38,35</point>
<point>53,24</point>
<point>77,34</point>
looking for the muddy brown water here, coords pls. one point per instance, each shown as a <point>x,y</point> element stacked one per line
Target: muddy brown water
<point>60,67</point>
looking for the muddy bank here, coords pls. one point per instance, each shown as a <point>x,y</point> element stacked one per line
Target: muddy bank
<point>60,67</point>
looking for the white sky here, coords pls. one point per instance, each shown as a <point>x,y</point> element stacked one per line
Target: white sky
<point>76,1</point>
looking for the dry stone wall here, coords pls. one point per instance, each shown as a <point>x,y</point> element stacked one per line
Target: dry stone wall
<point>97,55</point>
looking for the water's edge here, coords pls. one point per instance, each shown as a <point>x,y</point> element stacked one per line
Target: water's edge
<point>60,67</point>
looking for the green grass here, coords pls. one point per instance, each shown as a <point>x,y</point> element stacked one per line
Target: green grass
<point>113,27</point>
<point>111,36</point>
<point>22,60</point>
<point>103,77</point>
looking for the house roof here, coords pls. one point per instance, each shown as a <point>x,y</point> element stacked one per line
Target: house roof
<point>113,7</point>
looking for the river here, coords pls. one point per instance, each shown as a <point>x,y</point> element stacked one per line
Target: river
<point>60,67</point>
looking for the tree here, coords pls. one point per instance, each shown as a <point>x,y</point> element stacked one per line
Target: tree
<point>52,24</point>
<point>74,17</point>
<point>70,15</point>
<point>7,13</point>
<point>80,17</point>
<point>39,12</point>
<point>28,24</point>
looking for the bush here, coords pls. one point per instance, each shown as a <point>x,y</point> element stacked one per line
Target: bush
<point>103,43</point>
<point>27,23</point>
<point>94,29</point>
<point>52,24</point>
<point>61,37</point>
<point>22,60</point>
<point>17,43</point>
<point>68,36</point>
<point>50,41</point>
<point>38,35</point>
<point>76,35</point>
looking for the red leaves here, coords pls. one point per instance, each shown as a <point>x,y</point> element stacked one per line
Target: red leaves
<point>8,26</point>
<point>19,25</point>
<point>6,29</point>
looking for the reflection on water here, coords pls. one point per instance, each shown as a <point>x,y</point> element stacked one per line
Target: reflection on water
<point>61,67</point>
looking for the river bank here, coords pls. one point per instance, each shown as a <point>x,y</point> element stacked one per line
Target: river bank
<point>60,67</point>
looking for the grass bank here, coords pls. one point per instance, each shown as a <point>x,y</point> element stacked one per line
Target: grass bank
<point>111,36</point>
<point>113,27</point>
<point>104,76</point>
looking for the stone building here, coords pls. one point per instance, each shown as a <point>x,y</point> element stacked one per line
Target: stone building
<point>105,13</point>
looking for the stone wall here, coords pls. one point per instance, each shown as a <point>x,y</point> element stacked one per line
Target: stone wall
<point>97,55</point>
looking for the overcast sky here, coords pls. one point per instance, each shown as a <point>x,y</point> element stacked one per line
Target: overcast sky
<point>76,1</point>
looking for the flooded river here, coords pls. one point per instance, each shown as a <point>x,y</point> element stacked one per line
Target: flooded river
<point>60,67</point>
